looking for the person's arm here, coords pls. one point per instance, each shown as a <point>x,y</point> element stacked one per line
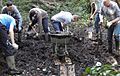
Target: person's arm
<point>11,32</point>
<point>39,17</point>
<point>117,13</point>
<point>91,17</point>
<point>3,10</point>
<point>19,17</point>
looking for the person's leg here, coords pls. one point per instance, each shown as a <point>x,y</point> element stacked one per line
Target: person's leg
<point>97,20</point>
<point>61,29</point>
<point>45,27</point>
<point>8,52</point>
<point>117,42</point>
<point>19,31</point>
<point>117,37</point>
<point>110,35</point>
<point>19,36</point>
<point>56,26</point>
<point>3,39</point>
<point>45,24</point>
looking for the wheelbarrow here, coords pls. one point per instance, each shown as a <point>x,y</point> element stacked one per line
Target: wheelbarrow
<point>59,42</point>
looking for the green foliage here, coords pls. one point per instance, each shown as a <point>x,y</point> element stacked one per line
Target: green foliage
<point>104,70</point>
<point>79,7</point>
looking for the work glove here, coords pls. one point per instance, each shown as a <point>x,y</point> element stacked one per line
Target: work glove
<point>15,46</point>
<point>109,24</point>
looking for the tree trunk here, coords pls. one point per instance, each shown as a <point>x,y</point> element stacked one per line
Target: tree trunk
<point>1,3</point>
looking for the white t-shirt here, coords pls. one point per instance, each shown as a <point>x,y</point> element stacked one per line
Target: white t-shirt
<point>64,17</point>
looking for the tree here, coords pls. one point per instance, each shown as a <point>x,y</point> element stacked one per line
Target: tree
<point>1,3</point>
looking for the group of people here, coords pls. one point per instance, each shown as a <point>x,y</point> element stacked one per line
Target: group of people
<point>11,22</point>
<point>110,10</point>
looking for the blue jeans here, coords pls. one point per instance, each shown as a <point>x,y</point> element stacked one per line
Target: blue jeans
<point>97,20</point>
<point>57,26</point>
<point>45,24</point>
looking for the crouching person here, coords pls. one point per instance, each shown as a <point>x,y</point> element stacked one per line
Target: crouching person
<point>61,19</point>
<point>40,16</point>
<point>7,24</point>
<point>12,10</point>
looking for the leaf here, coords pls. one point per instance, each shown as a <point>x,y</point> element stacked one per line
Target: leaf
<point>88,70</point>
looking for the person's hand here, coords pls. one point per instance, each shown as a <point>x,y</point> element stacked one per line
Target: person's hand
<point>100,23</point>
<point>109,24</point>
<point>15,46</point>
<point>19,28</point>
<point>36,35</point>
<point>91,18</point>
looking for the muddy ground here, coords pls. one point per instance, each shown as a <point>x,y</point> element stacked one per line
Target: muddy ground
<point>36,55</point>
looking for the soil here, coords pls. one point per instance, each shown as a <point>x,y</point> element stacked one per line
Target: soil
<point>35,56</point>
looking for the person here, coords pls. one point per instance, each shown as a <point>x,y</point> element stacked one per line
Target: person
<point>59,20</point>
<point>96,9</point>
<point>12,10</point>
<point>7,25</point>
<point>40,16</point>
<point>111,11</point>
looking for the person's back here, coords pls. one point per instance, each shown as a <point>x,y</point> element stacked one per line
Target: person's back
<point>7,20</point>
<point>59,20</point>
<point>99,4</point>
<point>41,12</point>
<point>65,17</point>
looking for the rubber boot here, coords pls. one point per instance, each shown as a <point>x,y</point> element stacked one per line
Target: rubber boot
<point>11,64</point>
<point>46,37</point>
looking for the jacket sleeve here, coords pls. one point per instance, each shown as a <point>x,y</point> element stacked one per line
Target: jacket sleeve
<point>39,19</point>
<point>18,15</point>
<point>3,10</point>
